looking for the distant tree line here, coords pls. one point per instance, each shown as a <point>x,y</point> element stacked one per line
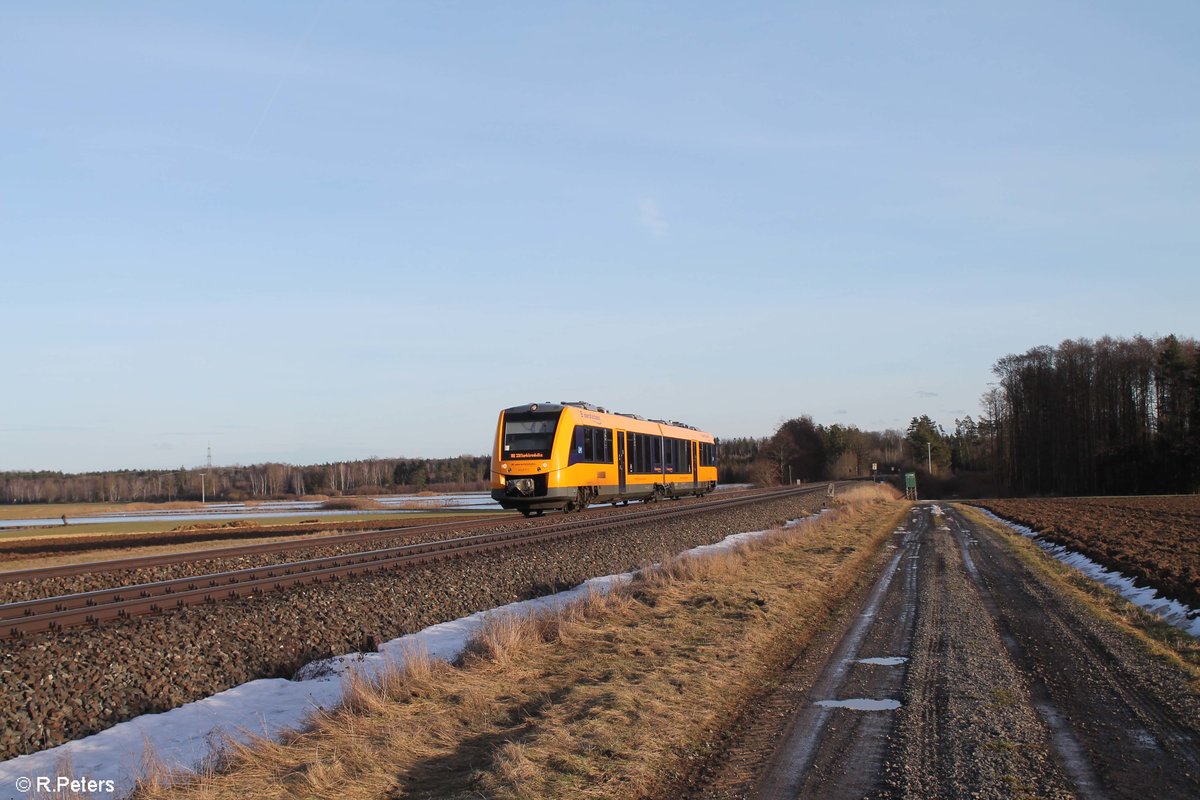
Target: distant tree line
<point>1113,416</point>
<point>257,482</point>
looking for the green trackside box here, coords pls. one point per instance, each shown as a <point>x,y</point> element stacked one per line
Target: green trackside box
<point>910,480</point>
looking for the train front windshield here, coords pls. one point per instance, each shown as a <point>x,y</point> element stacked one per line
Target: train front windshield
<point>529,435</point>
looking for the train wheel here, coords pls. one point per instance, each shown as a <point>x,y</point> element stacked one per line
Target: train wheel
<point>527,512</point>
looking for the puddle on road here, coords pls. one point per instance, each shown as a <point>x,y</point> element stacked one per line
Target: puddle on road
<point>861,704</point>
<point>1144,739</point>
<point>883,661</point>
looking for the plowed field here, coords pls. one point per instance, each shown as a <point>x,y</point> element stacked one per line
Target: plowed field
<point>1155,539</point>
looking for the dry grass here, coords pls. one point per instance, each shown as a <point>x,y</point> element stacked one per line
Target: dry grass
<point>174,505</point>
<point>353,504</point>
<point>603,698</point>
<point>867,492</point>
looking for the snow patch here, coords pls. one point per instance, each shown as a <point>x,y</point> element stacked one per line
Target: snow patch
<point>861,704</point>
<point>883,661</point>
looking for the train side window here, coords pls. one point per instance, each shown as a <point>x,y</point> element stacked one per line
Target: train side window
<point>643,462</point>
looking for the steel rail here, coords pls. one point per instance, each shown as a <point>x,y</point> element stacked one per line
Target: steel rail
<point>55,613</point>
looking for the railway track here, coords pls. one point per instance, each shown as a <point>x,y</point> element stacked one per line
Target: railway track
<point>237,551</point>
<point>56,613</point>
<point>288,545</point>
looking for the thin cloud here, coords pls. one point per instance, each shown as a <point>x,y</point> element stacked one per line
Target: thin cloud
<point>922,393</point>
<point>651,218</point>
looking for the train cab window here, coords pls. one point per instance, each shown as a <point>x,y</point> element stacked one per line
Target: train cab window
<point>529,435</point>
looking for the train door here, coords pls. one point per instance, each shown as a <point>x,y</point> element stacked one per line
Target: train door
<point>622,466</point>
<point>695,464</point>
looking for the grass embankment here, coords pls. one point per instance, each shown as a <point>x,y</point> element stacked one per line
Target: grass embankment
<point>1158,638</point>
<point>612,697</point>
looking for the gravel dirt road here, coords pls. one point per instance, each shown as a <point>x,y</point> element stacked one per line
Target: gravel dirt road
<point>963,670</point>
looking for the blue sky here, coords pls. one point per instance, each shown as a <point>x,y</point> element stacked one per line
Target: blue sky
<point>307,232</point>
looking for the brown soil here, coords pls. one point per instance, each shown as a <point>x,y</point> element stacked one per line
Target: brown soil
<point>1156,539</point>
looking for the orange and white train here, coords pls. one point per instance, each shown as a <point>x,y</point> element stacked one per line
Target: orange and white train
<point>569,455</point>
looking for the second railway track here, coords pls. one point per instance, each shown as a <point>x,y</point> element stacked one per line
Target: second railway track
<point>50,614</point>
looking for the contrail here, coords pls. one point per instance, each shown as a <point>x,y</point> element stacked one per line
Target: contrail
<point>279,85</point>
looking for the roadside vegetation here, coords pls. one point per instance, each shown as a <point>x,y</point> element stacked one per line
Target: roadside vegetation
<point>612,697</point>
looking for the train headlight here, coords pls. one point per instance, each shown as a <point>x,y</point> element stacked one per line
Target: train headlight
<point>544,465</point>
<point>505,467</point>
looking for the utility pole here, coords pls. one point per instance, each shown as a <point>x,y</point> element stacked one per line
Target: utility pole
<point>929,455</point>
<point>207,470</point>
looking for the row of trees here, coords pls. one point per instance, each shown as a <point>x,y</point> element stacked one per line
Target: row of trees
<point>801,450</point>
<point>1113,416</point>
<point>257,482</point>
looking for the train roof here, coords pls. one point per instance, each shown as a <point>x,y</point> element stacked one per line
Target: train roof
<point>582,406</point>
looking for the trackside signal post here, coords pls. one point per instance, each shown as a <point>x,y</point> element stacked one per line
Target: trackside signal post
<point>910,486</point>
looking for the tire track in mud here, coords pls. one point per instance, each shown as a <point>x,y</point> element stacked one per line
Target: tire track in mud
<point>846,720</point>
<point>968,727</point>
<point>1125,723</point>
